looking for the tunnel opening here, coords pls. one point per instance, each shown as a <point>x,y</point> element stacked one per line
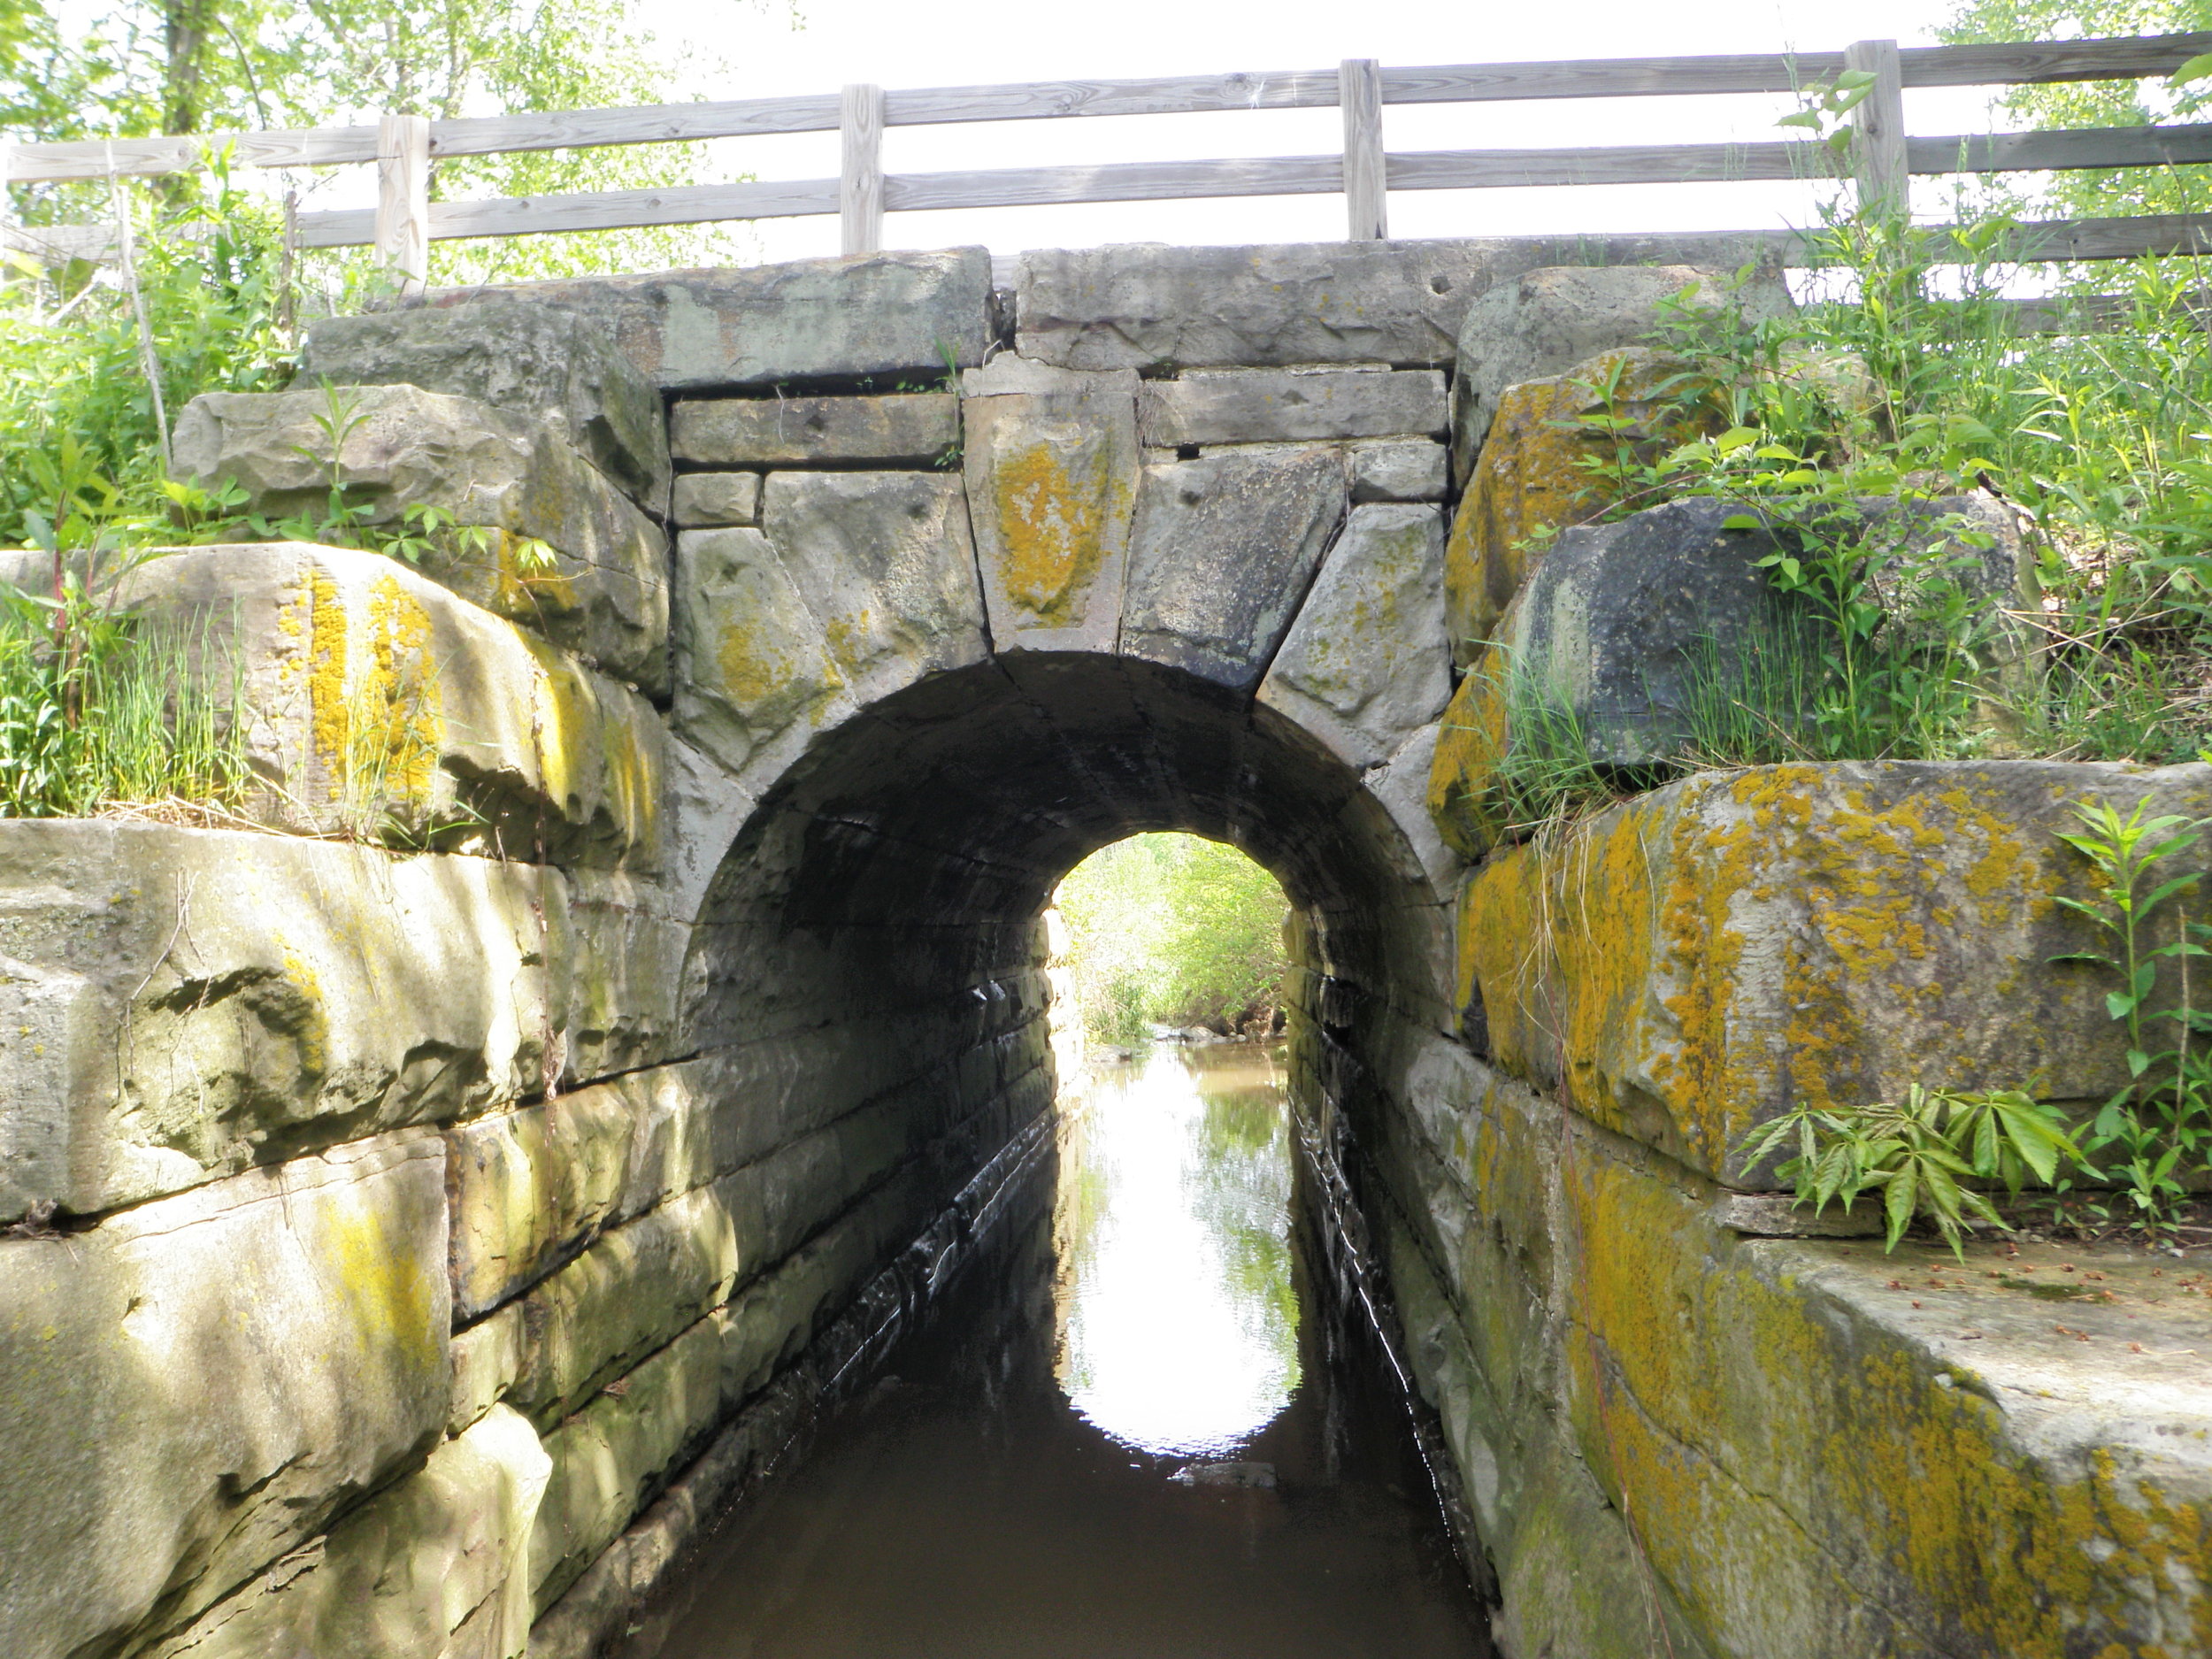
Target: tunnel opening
<point>878,943</point>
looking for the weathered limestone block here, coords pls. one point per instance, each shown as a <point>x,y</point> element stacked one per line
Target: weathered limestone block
<point>191,1389</point>
<point>1221,555</point>
<point>539,360</point>
<point>900,429</point>
<point>505,479</point>
<point>1398,469</point>
<point>1051,459</point>
<point>886,563</point>
<point>704,500</point>
<point>881,314</point>
<point>1701,958</point>
<point>1629,640</point>
<point>376,700</point>
<point>753,665</point>
<point>436,1567</point>
<point>1367,660</point>
<point>200,1000</point>
<point>1546,321</point>
<point>1535,475</point>
<point>2008,1489</point>
<point>1150,306</point>
<point>1292,405</point>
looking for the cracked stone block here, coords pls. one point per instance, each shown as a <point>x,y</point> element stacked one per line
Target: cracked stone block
<point>865,315</point>
<point>1051,461</point>
<point>1367,661</point>
<point>1292,405</point>
<point>1221,555</point>
<point>702,501</point>
<point>600,588</point>
<point>903,429</point>
<point>195,1387</point>
<point>535,360</point>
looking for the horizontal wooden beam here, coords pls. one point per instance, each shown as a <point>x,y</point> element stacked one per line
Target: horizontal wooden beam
<point>2055,152</point>
<point>594,210</point>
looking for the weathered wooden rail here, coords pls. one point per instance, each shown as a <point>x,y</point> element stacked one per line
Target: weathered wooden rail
<point>1882,156</point>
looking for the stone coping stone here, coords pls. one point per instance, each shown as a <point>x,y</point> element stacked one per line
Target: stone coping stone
<point>1291,405</point>
<point>1701,958</point>
<point>703,501</point>
<point>437,1566</point>
<point>1222,553</point>
<point>1051,460</point>
<point>192,1389</point>
<point>1149,306</point>
<point>377,701</point>
<point>1367,661</point>
<point>180,1004</point>
<point>902,429</point>
<point>535,360</point>
<point>879,315</point>
<point>600,586</point>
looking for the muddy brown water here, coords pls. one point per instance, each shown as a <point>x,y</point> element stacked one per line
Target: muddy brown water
<point>1130,1432</point>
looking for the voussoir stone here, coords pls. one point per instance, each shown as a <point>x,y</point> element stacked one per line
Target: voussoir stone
<point>886,563</point>
<point>879,314</point>
<point>702,501</point>
<point>599,588</point>
<point>1051,458</point>
<point>1367,662</point>
<point>1292,405</point>
<point>1544,322</point>
<point>534,359</point>
<point>1222,553</point>
<point>902,429</point>
<point>191,1389</point>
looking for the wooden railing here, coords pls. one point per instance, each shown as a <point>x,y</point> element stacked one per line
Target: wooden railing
<point>1883,157</point>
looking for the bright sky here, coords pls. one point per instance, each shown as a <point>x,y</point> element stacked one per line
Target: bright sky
<point>900,43</point>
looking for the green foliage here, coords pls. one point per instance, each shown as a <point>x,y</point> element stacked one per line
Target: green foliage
<point>2157,1130</point>
<point>1920,1153</point>
<point>1173,930</point>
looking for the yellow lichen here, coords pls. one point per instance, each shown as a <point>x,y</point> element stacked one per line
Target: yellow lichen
<point>1056,504</point>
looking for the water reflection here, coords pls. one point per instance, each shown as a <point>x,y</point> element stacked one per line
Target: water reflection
<point>1179,1321</point>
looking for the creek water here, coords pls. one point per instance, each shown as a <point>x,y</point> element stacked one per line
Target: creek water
<point>1130,1432</point>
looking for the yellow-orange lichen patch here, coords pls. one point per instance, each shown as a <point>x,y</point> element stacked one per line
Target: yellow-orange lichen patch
<point>1056,505</point>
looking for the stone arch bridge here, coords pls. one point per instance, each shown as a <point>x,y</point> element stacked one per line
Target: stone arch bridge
<point>426,1216</point>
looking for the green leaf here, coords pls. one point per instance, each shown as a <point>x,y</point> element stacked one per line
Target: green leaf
<point>2195,69</point>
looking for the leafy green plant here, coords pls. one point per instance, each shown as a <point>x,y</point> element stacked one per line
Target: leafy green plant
<point>1923,1154</point>
<point>2157,1129</point>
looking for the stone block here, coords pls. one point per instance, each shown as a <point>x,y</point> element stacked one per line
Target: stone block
<point>1222,553</point>
<point>616,960</point>
<point>1150,306</point>
<point>437,1566</point>
<point>191,1390</point>
<point>1539,475</point>
<point>595,585</point>
<point>1367,660</point>
<point>377,702</point>
<point>1543,322</point>
<point>882,314</point>
<point>1051,460</point>
<point>536,360</point>
<point>1398,469</point>
<point>487,1358</point>
<point>705,500</point>
<point>886,563</point>
<point>1701,958</point>
<point>753,665</point>
<point>902,429</point>
<point>1292,406</point>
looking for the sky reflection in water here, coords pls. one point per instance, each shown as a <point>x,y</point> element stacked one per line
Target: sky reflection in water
<point>1179,1320</point>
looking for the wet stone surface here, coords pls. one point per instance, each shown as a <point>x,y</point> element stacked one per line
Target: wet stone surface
<point>1133,1432</point>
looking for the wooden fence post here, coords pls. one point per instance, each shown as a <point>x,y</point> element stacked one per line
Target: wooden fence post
<point>860,176</point>
<point>1878,146</point>
<point>402,199</point>
<point>1359,90</point>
